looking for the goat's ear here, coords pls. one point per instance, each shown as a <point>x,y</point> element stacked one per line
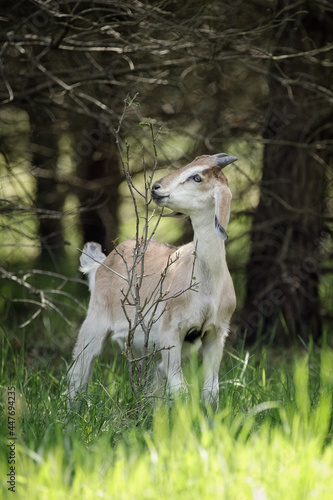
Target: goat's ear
<point>222,198</point>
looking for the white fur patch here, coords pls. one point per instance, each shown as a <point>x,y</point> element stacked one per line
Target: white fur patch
<point>190,172</point>
<point>90,259</point>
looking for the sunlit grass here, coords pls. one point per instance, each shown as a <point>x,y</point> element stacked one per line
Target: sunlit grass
<point>271,437</point>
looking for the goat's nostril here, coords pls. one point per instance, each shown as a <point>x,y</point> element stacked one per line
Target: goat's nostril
<point>156,186</point>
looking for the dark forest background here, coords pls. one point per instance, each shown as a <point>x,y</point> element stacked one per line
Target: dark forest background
<point>251,78</point>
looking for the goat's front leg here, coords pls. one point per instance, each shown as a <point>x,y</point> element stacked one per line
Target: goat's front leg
<point>171,363</point>
<point>212,350</point>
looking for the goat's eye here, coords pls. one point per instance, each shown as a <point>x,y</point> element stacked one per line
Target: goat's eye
<point>196,178</point>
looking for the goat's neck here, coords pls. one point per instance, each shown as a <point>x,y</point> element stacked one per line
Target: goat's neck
<point>208,247</point>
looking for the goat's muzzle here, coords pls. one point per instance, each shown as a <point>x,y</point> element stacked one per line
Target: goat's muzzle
<point>155,194</point>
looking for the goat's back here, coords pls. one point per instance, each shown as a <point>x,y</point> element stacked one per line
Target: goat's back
<point>111,279</point>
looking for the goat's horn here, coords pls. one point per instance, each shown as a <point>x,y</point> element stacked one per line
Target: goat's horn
<point>222,159</point>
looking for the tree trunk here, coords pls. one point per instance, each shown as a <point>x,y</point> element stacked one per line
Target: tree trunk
<point>97,163</point>
<point>282,300</point>
<point>49,200</point>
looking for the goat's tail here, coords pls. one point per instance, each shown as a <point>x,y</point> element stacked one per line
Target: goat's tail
<point>91,257</point>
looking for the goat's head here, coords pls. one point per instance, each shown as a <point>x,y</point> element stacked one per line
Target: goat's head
<point>198,187</point>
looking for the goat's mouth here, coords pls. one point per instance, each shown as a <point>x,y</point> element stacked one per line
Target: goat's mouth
<point>160,199</point>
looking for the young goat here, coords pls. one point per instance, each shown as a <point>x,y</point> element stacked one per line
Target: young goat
<point>200,316</point>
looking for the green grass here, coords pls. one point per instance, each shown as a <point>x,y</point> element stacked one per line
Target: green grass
<point>271,437</point>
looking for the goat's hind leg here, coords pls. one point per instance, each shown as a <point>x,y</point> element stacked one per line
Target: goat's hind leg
<point>89,345</point>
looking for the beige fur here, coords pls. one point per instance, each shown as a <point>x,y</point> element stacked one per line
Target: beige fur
<point>207,309</point>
